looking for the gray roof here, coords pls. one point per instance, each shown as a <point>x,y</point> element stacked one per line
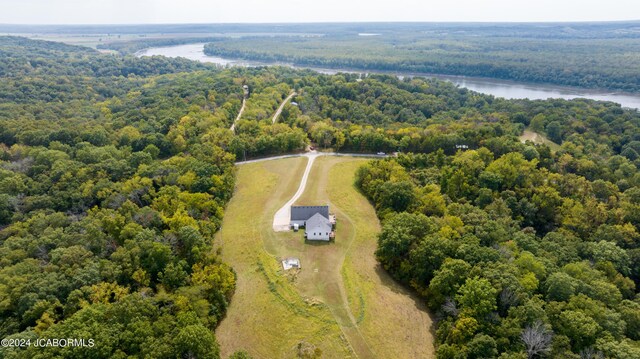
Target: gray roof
<point>303,213</point>
<point>318,220</point>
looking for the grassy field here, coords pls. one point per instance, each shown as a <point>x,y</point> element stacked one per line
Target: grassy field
<point>529,135</point>
<point>341,301</point>
<point>267,316</point>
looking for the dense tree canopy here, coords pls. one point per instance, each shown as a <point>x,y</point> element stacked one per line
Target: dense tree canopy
<point>115,172</point>
<point>587,54</point>
<point>523,257</point>
<point>594,62</point>
<point>110,201</point>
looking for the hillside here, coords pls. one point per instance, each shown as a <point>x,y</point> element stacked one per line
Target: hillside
<point>117,173</point>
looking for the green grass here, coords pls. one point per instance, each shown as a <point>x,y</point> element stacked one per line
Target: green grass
<point>394,321</point>
<point>340,300</point>
<point>267,316</point>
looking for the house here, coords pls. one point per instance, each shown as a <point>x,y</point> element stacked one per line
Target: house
<point>316,220</point>
<point>318,228</point>
<point>300,214</point>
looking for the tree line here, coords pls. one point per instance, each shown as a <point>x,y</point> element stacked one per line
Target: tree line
<point>518,256</point>
<point>582,62</point>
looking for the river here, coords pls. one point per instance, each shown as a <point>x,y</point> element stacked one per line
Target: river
<point>499,88</point>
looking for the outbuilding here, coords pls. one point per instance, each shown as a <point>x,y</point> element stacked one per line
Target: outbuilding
<point>291,263</point>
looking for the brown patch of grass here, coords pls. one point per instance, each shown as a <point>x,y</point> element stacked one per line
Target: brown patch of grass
<point>529,135</point>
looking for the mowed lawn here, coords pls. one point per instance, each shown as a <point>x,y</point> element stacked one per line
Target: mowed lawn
<point>267,317</point>
<point>394,322</point>
<point>341,301</point>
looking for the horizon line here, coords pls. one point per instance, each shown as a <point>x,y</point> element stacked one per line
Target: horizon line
<point>329,22</point>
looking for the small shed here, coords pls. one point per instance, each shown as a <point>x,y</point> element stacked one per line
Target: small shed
<point>289,263</point>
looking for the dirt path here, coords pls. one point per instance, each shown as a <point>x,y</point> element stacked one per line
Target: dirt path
<point>279,111</point>
<point>283,215</point>
<point>244,102</point>
<point>280,157</point>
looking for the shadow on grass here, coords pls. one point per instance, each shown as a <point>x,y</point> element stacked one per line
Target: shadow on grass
<point>318,243</point>
<point>396,287</point>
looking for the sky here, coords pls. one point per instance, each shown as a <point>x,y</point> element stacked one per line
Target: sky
<point>266,11</point>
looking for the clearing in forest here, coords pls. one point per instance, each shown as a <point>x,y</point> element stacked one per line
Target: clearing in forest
<point>341,302</point>
<point>538,139</point>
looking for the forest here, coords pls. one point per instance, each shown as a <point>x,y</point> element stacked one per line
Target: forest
<point>598,55</point>
<point>110,195</point>
<point>605,63</point>
<point>115,172</point>
<point>521,251</point>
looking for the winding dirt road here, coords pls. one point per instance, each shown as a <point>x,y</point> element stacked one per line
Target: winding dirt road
<point>233,126</point>
<point>279,111</point>
<point>281,218</point>
<point>245,95</point>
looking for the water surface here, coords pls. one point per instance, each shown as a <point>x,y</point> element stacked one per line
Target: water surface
<point>499,88</point>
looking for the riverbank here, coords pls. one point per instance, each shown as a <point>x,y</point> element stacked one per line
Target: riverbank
<point>499,88</point>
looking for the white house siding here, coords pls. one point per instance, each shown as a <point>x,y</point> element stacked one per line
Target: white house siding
<point>318,233</point>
